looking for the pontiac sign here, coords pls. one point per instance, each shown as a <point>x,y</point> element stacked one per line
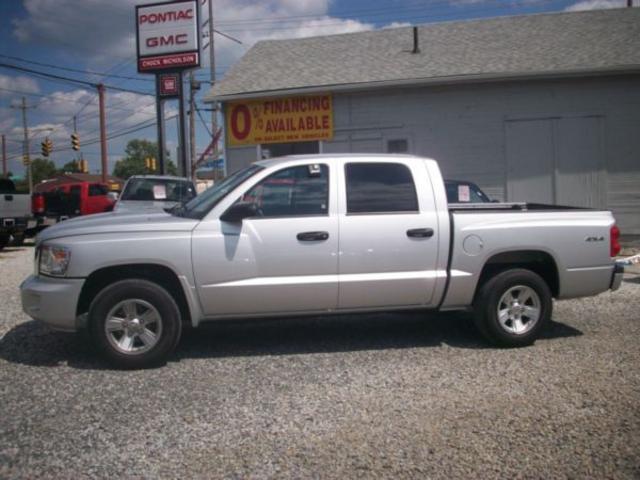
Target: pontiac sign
<point>279,120</point>
<point>168,36</point>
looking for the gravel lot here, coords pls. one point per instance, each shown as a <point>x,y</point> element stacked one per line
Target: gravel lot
<point>386,395</point>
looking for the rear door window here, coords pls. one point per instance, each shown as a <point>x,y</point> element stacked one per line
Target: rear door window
<point>380,188</point>
<point>96,189</point>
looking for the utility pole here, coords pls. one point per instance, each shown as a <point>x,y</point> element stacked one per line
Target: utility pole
<point>4,156</point>
<point>629,3</point>
<point>103,133</point>
<point>25,148</point>
<point>212,72</point>
<point>192,124</point>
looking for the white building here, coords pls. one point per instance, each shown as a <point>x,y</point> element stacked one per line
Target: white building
<point>539,108</point>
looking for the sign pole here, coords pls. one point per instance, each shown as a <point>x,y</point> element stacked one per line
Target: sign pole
<point>167,43</point>
<point>184,170</point>
<point>160,124</point>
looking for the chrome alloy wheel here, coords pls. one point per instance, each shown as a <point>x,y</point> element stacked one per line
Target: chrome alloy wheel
<point>519,309</point>
<point>133,326</point>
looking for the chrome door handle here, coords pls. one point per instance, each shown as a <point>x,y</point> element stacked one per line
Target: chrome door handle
<point>312,236</point>
<point>420,233</point>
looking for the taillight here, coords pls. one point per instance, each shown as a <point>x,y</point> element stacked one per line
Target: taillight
<point>37,203</point>
<point>614,243</point>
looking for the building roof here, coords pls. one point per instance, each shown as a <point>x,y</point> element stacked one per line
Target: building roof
<point>552,44</point>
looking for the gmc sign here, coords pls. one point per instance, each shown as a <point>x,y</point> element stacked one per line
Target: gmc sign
<point>168,35</point>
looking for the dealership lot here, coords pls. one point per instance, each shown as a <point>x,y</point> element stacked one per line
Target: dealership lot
<point>378,395</point>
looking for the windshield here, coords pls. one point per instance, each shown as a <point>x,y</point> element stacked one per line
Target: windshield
<point>158,189</point>
<point>203,203</point>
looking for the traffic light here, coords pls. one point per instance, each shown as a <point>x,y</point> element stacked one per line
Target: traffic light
<point>47,147</point>
<point>83,166</point>
<point>150,163</point>
<point>25,161</point>
<point>75,141</point>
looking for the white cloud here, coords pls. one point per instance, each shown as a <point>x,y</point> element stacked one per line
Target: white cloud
<point>53,119</point>
<point>103,33</point>
<point>19,83</point>
<point>596,5</point>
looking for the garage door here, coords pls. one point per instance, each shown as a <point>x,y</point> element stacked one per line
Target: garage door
<point>556,160</point>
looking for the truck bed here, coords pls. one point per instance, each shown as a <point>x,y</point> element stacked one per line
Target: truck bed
<point>511,206</point>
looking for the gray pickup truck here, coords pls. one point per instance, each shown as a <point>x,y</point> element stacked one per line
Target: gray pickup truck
<point>311,235</point>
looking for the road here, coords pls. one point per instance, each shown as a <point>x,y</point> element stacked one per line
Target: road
<point>385,395</point>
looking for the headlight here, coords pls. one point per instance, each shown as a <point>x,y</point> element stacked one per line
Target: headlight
<point>54,260</point>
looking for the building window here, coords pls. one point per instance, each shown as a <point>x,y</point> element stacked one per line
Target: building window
<point>380,188</point>
<point>399,145</point>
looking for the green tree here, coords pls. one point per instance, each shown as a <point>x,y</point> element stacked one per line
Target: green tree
<point>133,163</point>
<point>42,169</point>
<point>70,167</point>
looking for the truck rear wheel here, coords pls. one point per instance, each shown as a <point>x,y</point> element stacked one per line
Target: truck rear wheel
<point>135,323</point>
<point>513,307</point>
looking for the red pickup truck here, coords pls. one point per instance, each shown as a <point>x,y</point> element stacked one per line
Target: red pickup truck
<point>70,200</point>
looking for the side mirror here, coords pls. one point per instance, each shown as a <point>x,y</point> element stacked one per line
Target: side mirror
<point>238,212</point>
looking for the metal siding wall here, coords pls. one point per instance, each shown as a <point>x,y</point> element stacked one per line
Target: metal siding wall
<point>240,157</point>
<point>463,127</point>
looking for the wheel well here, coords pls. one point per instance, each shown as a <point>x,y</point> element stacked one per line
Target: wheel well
<point>163,276</point>
<point>539,262</point>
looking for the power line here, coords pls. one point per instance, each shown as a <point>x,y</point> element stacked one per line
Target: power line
<point>424,14</point>
<point>117,134</point>
<point>69,69</point>
<point>68,79</point>
<point>198,111</point>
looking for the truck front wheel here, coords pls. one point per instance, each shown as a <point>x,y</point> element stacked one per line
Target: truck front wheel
<point>135,323</point>
<point>513,307</point>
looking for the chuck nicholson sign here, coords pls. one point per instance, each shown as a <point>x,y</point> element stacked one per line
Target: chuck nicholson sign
<point>279,120</point>
<point>168,36</point>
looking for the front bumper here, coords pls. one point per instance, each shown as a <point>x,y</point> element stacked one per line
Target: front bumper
<point>616,277</point>
<point>52,300</point>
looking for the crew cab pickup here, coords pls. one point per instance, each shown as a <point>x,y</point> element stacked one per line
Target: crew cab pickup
<point>316,235</point>
<point>154,192</point>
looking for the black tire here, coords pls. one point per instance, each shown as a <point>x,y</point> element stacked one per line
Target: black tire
<point>141,292</point>
<point>4,241</point>
<point>18,240</point>
<point>488,301</point>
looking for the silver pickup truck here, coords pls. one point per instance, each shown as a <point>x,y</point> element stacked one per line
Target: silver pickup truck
<point>311,235</point>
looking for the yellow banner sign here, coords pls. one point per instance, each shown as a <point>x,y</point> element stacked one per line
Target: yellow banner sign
<point>279,120</point>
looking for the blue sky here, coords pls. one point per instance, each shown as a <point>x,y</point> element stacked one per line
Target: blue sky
<point>98,36</point>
